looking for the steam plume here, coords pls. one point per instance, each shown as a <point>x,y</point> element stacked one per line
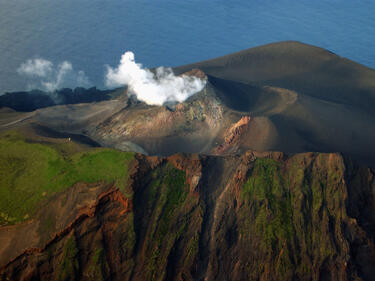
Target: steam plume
<point>155,89</point>
<point>44,75</point>
<point>36,68</point>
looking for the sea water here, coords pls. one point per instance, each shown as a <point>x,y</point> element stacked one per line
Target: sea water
<point>91,34</point>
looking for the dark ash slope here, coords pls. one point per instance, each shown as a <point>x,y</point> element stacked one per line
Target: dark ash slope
<point>285,96</point>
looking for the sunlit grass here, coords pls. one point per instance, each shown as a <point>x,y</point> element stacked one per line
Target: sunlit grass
<point>31,172</point>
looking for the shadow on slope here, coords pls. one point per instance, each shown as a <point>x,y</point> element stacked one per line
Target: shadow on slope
<point>32,100</point>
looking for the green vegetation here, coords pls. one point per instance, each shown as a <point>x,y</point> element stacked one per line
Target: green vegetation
<point>129,240</point>
<point>175,217</point>
<point>268,200</point>
<point>127,244</point>
<point>167,192</point>
<point>192,249</point>
<point>172,198</point>
<point>296,210</point>
<point>274,219</point>
<point>69,266</point>
<point>98,267</point>
<point>30,172</point>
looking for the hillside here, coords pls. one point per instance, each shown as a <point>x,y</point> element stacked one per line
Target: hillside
<point>265,174</point>
<point>299,67</point>
<point>294,97</point>
<point>262,216</point>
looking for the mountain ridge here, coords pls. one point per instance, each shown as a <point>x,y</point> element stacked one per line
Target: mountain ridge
<point>289,64</point>
<point>264,177</point>
<point>329,220</point>
<point>299,97</point>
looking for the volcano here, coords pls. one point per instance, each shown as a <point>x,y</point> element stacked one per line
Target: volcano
<point>265,174</point>
<point>294,98</point>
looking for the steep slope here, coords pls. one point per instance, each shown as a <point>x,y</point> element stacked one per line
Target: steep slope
<point>259,216</point>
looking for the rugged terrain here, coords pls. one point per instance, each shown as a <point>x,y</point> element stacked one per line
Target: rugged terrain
<point>266,174</point>
<point>293,97</point>
<point>258,216</point>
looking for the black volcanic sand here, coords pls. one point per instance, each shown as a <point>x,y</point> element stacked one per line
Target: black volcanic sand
<point>303,68</point>
<point>333,107</point>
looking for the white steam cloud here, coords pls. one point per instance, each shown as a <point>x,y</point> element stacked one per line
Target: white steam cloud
<point>155,89</point>
<point>44,75</point>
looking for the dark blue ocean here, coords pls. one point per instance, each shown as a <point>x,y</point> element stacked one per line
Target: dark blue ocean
<point>93,33</point>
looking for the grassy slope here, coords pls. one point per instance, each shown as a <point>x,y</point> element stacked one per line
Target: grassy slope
<point>31,172</point>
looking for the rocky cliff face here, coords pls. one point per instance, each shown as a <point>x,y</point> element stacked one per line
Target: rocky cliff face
<point>259,216</point>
